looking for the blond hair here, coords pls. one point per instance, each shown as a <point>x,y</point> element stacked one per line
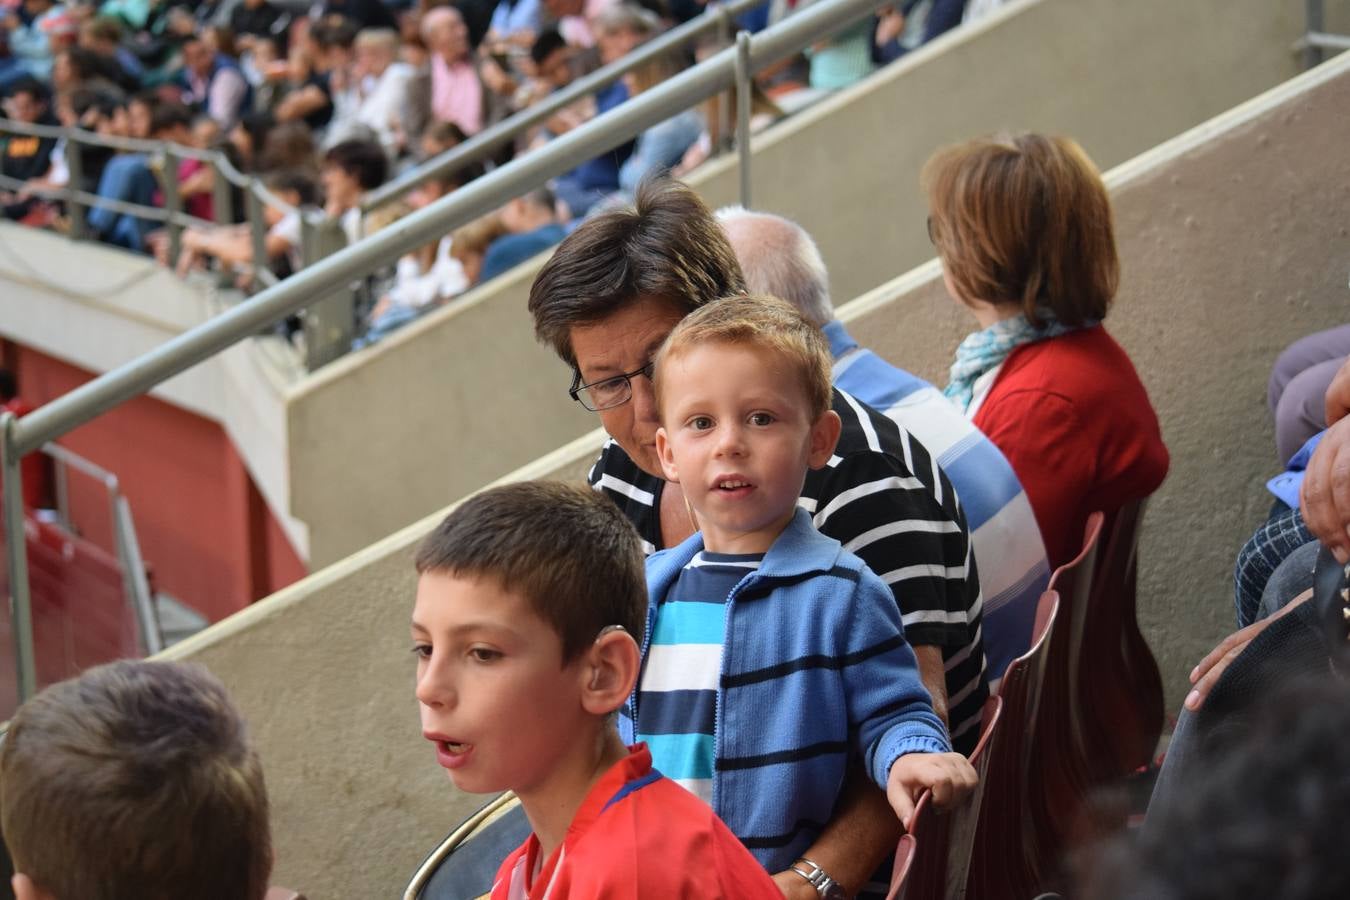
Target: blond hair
<point>1024,219</point>
<point>759,322</point>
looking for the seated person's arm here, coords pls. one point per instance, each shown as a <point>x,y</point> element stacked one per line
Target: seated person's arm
<point>903,742</point>
<point>854,844</point>
<point>300,103</point>
<point>199,182</point>
<point>1210,669</point>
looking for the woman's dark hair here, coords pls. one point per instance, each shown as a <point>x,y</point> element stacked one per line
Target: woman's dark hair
<point>294,180</point>
<point>363,160</point>
<point>667,245</point>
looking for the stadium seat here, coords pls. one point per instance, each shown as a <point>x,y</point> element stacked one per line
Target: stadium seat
<point>1003,857</point>
<point>1123,710</point>
<point>904,859</point>
<point>942,844</point>
<point>1061,778</point>
<point>463,866</point>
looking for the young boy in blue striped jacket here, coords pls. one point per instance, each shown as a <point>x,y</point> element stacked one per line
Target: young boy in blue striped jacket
<point>773,655</point>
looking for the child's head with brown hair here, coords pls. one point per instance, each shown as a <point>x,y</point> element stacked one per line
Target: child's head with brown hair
<point>1024,221</point>
<point>519,593</point>
<point>135,779</point>
<point>743,392</point>
<point>469,243</point>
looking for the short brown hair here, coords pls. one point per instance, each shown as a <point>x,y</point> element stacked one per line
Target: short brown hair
<point>761,322</point>
<point>667,245</point>
<point>1024,219</point>
<point>136,779</point>
<point>566,548</point>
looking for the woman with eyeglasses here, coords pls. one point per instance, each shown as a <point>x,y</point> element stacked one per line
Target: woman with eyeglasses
<point>1022,224</point>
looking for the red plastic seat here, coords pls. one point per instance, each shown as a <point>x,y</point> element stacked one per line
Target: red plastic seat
<point>1059,780</point>
<point>1123,708</point>
<point>1005,858</point>
<point>943,843</point>
<point>80,612</point>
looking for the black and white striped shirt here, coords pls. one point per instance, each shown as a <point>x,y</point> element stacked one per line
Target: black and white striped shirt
<point>883,496</point>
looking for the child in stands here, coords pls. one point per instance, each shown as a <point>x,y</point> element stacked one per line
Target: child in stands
<point>773,654</point>
<point>135,779</point>
<point>529,606</point>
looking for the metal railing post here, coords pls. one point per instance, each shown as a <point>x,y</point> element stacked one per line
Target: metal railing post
<point>329,321</point>
<point>1316,16</point>
<point>726,31</point>
<point>222,196</point>
<point>743,101</point>
<point>74,208</point>
<point>16,550</point>
<point>173,202</point>
<point>135,583</point>
<point>257,230</point>
<point>62,492</point>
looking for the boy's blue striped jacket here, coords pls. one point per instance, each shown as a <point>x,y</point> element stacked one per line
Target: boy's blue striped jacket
<point>815,673</point>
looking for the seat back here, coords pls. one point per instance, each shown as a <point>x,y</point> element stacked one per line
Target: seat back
<point>1122,702</point>
<point>1059,780</point>
<point>942,853</point>
<point>466,862</point>
<point>904,859</point>
<point>1001,856</point>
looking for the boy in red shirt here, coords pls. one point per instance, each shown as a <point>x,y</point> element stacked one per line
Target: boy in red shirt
<point>530,602</point>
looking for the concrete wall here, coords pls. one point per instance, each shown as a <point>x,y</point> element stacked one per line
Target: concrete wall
<point>385,436</point>
<point>1233,244</point>
<point>1118,77</point>
<point>465,396</point>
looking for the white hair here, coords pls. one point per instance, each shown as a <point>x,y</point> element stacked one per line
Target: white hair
<point>779,258</point>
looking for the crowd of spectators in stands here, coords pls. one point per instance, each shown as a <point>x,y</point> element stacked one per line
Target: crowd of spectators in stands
<point>306,95</point>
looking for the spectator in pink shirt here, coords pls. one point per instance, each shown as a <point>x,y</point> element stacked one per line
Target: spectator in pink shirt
<point>456,92</point>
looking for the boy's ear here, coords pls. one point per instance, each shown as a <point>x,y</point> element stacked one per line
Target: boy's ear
<point>824,437</point>
<point>667,458</point>
<point>610,672</point>
<point>25,889</point>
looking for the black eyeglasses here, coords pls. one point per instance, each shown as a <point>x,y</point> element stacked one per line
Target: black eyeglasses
<point>607,393</point>
<point>932,235</point>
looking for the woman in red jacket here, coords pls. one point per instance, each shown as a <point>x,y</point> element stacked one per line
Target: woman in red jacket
<point>1023,226</point>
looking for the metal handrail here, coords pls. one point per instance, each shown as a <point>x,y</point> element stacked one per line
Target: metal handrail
<point>1315,39</point>
<point>491,139</point>
<point>693,86</point>
<point>128,549</point>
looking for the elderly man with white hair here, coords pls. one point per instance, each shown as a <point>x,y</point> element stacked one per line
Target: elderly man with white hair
<point>778,257</point>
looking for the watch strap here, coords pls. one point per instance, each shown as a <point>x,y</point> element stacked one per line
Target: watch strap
<point>818,878</point>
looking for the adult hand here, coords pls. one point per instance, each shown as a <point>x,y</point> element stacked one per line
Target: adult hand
<point>1324,496</point>
<point>1211,668</point>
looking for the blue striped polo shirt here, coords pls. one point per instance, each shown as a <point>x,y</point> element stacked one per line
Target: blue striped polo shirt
<point>677,692</point>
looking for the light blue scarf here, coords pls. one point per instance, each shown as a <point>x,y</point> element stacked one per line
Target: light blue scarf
<point>984,350</point>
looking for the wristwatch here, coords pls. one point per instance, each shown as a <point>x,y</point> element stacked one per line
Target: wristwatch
<point>818,878</point>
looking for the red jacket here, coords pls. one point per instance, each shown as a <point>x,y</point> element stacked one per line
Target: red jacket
<point>1074,420</point>
<point>638,835</point>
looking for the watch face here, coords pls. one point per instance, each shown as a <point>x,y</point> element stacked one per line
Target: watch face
<point>834,891</point>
